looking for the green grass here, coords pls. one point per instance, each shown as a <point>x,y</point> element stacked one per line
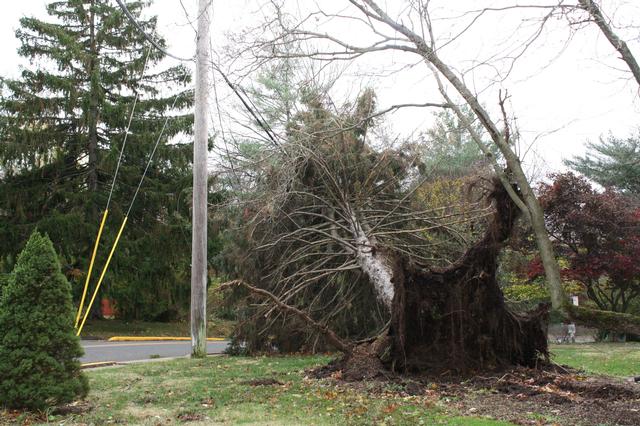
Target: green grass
<point>614,359</point>
<point>214,391</point>
<point>104,329</point>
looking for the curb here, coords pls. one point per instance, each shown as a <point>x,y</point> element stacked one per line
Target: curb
<point>97,364</point>
<point>157,338</point>
<point>100,364</point>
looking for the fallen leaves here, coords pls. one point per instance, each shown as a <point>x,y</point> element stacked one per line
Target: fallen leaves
<point>390,408</point>
<point>207,403</point>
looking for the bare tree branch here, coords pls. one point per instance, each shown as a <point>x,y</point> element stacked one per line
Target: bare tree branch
<point>625,53</point>
<point>332,337</point>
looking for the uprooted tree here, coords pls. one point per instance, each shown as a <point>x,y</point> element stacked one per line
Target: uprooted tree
<point>409,29</point>
<point>337,211</point>
<point>343,205</point>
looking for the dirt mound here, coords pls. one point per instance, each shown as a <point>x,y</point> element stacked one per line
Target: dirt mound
<point>568,399</point>
<point>362,364</point>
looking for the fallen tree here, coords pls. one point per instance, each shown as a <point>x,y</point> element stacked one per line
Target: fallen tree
<point>452,318</point>
<point>409,30</point>
<point>339,212</point>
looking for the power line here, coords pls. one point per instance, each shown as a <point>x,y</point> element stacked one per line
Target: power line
<point>147,36</point>
<point>245,102</point>
<point>126,132</point>
<point>150,160</point>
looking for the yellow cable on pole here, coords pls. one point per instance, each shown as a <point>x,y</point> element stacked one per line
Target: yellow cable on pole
<point>93,258</point>
<point>104,271</point>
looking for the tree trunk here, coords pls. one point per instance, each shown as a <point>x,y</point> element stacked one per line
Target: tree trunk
<point>375,263</point>
<point>94,87</point>
<point>533,209</point>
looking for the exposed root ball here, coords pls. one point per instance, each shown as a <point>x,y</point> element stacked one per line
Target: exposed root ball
<point>456,319</point>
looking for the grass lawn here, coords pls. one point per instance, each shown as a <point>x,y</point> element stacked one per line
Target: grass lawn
<point>104,329</point>
<point>216,391</point>
<point>614,359</point>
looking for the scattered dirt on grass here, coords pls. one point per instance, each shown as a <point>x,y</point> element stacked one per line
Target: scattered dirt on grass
<point>24,417</point>
<point>268,381</point>
<point>190,417</point>
<point>77,407</point>
<point>520,395</point>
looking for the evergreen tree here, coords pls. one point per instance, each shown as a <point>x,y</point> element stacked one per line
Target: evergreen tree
<point>450,151</point>
<point>62,125</point>
<point>612,162</point>
<point>38,346</point>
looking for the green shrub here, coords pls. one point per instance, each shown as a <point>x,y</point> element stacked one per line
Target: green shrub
<point>4,279</point>
<point>38,348</point>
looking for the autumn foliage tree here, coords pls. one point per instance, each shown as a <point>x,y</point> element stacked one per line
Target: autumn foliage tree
<point>599,234</point>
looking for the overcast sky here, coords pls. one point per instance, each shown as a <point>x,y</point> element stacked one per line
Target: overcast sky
<point>577,89</point>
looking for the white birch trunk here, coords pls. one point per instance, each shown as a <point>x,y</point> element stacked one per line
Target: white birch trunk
<point>373,264</point>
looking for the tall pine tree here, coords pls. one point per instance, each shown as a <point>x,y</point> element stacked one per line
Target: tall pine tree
<point>62,125</point>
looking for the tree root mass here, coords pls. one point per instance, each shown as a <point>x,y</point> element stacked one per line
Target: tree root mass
<point>456,318</point>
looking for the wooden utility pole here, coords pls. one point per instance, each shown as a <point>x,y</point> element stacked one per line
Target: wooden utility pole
<point>199,223</point>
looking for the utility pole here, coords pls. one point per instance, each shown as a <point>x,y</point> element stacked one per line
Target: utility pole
<point>199,223</point>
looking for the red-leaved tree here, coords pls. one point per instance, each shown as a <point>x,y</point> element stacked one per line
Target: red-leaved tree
<point>599,234</point>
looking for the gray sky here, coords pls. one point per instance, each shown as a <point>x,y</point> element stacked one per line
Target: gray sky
<point>573,93</point>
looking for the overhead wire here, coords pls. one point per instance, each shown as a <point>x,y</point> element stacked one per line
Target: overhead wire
<point>153,43</point>
<point>149,38</point>
<point>153,152</point>
<point>256,115</point>
<point>126,217</point>
<point>238,91</point>
<point>106,209</point>
<point>126,132</point>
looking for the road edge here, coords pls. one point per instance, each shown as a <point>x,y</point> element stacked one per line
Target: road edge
<point>158,339</point>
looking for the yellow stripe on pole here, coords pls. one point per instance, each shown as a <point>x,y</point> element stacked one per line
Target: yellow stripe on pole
<point>104,271</point>
<point>93,259</point>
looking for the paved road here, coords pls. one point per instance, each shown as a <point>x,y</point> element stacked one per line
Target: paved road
<point>101,350</point>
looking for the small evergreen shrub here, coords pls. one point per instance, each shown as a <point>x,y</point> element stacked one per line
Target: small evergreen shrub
<point>39,351</point>
<point>4,279</point>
